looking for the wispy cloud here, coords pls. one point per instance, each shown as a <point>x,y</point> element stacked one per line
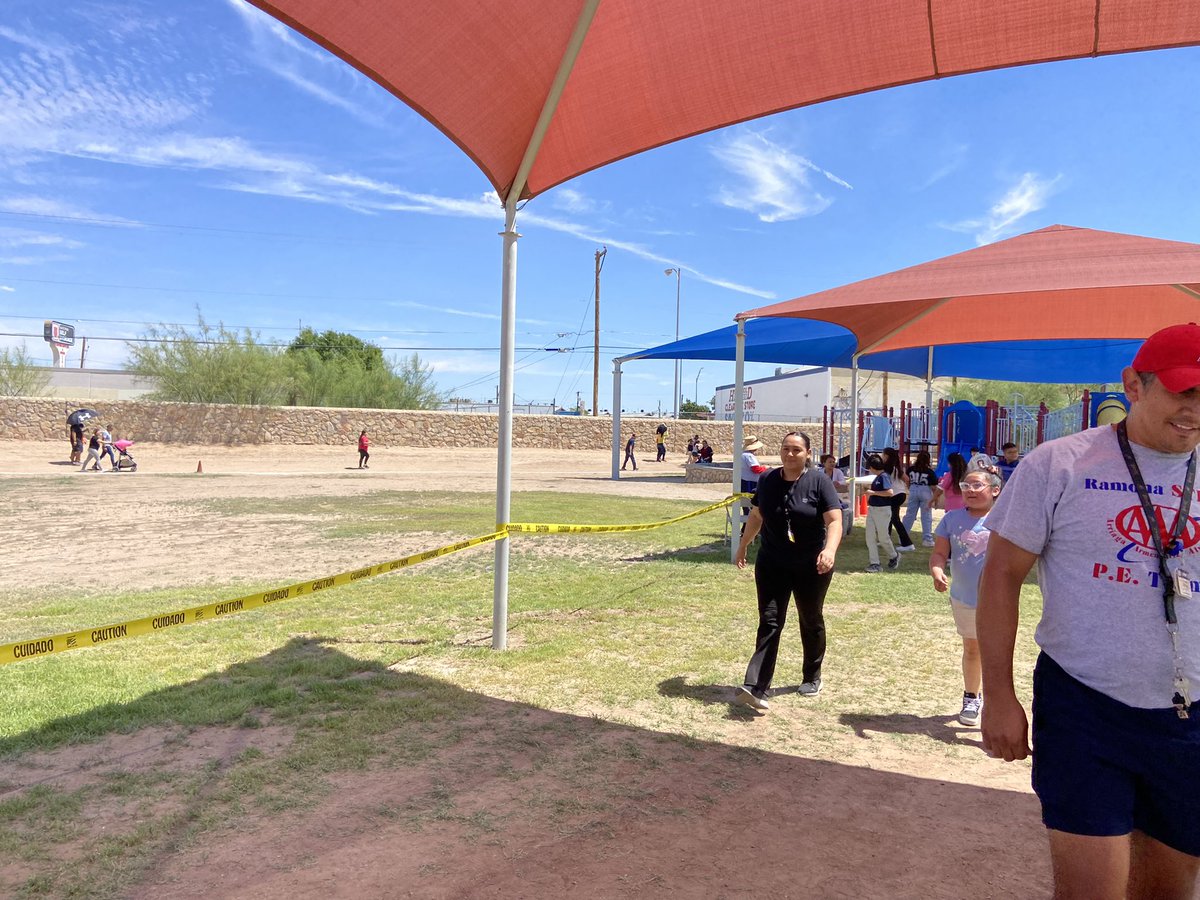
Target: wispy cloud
<point>451,311</point>
<point>774,183</point>
<point>8,289</point>
<point>56,99</point>
<point>32,260</point>
<point>52,208</point>
<point>954,158</point>
<point>572,201</point>
<point>11,238</point>
<point>1027,196</point>
<point>320,74</point>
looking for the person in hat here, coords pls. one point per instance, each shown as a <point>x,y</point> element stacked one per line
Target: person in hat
<point>1109,516</point>
<point>800,517</point>
<point>751,467</point>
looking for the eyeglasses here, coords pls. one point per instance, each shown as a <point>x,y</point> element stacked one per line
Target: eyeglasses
<point>965,486</point>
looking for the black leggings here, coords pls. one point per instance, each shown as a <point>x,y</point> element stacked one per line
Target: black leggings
<point>363,456</point>
<point>897,501</point>
<point>776,583</point>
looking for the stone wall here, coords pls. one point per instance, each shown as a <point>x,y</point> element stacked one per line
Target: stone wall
<point>43,418</point>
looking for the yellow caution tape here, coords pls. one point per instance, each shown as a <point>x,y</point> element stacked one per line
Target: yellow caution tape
<point>92,637</point>
<point>536,528</point>
<point>73,640</point>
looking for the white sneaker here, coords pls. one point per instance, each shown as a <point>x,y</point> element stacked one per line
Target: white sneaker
<point>746,697</point>
<point>906,548</point>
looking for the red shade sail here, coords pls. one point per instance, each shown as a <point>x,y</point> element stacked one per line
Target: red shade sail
<point>1056,283</point>
<point>653,71</point>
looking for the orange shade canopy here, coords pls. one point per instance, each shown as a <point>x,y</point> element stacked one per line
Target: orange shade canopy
<point>649,72</point>
<point>1052,284</point>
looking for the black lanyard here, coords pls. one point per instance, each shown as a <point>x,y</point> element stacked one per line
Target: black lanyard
<point>1181,700</point>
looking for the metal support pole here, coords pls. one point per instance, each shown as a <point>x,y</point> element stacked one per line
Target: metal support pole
<point>616,423</point>
<point>678,370</point>
<point>739,408</point>
<point>508,336</point>
<point>854,454</point>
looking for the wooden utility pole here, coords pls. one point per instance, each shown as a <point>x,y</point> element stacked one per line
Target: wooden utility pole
<point>600,254</point>
<point>885,392</point>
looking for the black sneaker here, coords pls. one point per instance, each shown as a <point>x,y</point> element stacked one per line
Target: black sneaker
<point>972,709</point>
<point>894,562</point>
<point>810,688</point>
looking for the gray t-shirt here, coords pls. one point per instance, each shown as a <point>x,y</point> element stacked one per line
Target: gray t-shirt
<point>1071,501</point>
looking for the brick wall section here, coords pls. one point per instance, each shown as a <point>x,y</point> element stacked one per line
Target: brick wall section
<point>42,418</point>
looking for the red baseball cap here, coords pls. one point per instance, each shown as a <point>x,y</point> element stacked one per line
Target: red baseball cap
<point>1173,355</point>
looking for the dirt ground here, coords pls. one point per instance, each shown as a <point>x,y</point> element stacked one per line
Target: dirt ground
<point>704,820</point>
<point>150,509</point>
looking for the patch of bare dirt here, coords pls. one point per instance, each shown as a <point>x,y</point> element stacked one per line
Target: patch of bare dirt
<point>542,804</point>
<point>154,528</point>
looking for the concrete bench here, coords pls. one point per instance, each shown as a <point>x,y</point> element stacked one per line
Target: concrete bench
<point>700,473</point>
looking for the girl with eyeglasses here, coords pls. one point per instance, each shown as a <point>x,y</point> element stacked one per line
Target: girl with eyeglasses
<point>962,539</point>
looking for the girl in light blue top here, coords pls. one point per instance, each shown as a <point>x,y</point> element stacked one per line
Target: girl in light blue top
<point>962,538</point>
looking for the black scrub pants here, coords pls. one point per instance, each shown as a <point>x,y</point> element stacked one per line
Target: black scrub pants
<point>777,582</point>
<point>897,501</point>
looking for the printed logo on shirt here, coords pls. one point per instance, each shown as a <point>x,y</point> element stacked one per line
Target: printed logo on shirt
<point>1130,529</point>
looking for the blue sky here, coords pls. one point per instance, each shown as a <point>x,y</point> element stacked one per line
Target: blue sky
<point>157,157</point>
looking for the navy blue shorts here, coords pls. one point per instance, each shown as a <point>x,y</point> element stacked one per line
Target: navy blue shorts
<point>1102,768</point>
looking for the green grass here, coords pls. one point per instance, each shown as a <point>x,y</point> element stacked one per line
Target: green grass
<point>645,629</point>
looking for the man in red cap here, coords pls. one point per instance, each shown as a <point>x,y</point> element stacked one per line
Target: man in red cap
<point>1107,514</point>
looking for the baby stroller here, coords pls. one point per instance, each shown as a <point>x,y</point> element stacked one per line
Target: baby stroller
<point>125,460</point>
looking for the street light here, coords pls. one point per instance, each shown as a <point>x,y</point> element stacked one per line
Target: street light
<point>696,389</point>
<point>675,271</point>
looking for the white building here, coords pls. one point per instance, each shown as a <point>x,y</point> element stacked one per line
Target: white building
<point>799,395</point>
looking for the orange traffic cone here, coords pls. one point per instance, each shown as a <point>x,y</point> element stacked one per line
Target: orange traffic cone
<point>199,467</point>
<point>862,504</point>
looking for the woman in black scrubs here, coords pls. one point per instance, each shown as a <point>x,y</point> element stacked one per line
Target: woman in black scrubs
<point>798,512</point>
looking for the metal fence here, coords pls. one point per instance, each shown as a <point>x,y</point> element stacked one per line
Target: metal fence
<point>1062,422</point>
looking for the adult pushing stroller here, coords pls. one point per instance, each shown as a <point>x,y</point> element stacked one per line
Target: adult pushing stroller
<point>125,460</point>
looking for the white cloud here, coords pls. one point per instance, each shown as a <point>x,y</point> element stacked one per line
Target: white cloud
<point>572,201</point>
<point>307,67</point>
<point>1028,195</point>
<point>31,260</point>
<point>11,238</point>
<point>51,208</point>
<point>451,311</point>
<point>8,289</point>
<point>774,183</point>
<point>955,159</point>
<point>58,99</point>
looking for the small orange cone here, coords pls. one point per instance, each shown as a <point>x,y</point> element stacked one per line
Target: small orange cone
<point>862,504</point>
<point>199,467</point>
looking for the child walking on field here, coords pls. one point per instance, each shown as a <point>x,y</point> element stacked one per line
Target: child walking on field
<point>962,538</point>
<point>879,515</point>
<point>364,449</point>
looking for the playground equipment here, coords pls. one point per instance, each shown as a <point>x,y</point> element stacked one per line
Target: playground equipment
<point>963,428</point>
<point>957,427</point>
<point>1108,408</point>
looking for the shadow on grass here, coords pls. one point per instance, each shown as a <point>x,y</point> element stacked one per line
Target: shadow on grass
<point>716,551</point>
<point>718,695</point>
<point>631,476</point>
<point>397,783</point>
<point>946,729</point>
